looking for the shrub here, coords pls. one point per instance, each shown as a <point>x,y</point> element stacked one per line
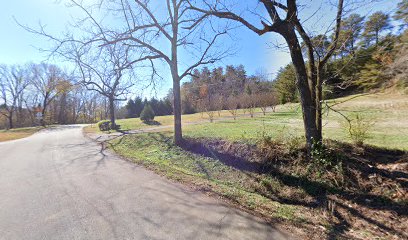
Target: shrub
<point>358,127</point>
<point>274,146</point>
<point>104,125</point>
<point>147,114</point>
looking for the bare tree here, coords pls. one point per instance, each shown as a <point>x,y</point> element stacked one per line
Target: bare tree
<point>105,70</point>
<point>248,102</point>
<point>13,82</point>
<point>155,31</point>
<point>208,103</point>
<point>219,103</point>
<point>232,105</point>
<point>309,74</point>
<point>49,81</point>
<point>265,100</point>
<point>179,29</point>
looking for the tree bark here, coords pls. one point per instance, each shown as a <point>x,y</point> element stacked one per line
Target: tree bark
<point>42,121</point>
<point>178,134</point>
<point>302,82</point>
<point>319,99</point>
<point>112,112</point>
<point>10,119</point>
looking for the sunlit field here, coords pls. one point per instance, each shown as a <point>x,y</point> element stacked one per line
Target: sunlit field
<point>389,114</point>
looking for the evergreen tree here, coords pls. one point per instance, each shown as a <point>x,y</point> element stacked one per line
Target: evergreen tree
<point>130,108</point>
<point>402,12</point>
<point>376,24</point>
<point>350,32</point>
<point>285,84</point>
<point>138,106</point>
<point>147,114</point>
<point>371,75</point>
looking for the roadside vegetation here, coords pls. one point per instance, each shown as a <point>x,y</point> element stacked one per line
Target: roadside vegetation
<point>320,148</point>
<point>13,134</point>
<point>341,190</point>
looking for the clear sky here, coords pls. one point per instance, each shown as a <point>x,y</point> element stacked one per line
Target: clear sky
<point>18,46</point>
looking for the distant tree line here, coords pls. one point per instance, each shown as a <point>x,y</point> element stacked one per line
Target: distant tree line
<point>31,90</point>
<point>216,89</point>
<point>213,90</point>
<point>161,107</point>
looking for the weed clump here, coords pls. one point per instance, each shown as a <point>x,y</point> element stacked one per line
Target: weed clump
<point>287,154</point>
<point>325,165</point>
<point>358,128</point>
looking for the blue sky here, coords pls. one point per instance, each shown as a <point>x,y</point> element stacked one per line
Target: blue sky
<point>18,46</point>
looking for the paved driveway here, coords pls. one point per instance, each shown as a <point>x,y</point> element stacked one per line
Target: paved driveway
<point>58,184</point>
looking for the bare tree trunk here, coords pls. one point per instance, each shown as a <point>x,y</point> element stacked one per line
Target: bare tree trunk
<point>43,112</point>
<point>178,135</point>
<point>10,119</point>
<point>306,98</point>
<point>319,99</point>
<point>42,121</point>
<point>112,112</point>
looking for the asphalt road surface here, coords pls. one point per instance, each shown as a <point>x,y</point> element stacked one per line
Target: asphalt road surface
<point>57,184</point>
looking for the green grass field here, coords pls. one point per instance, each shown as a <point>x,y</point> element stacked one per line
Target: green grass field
<point>388,112</point>
<point>272,195</point>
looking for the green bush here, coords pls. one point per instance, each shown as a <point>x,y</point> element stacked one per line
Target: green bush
<point>147,114</point>
<point>104,125</point>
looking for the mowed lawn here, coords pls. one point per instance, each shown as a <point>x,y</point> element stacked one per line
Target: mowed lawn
<point>13,134</point>
<point>280,196</point>
<point>388,112</point>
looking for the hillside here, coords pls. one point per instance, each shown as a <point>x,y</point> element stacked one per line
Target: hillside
<point>260,164</point>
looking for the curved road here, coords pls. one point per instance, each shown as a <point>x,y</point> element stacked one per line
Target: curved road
<point>57,184</point>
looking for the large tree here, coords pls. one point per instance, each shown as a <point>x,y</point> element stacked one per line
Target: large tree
<point>178,29</point>
<point>105,70</point>
<point>375,25</point>
<point>350,32</point>
<point>155,31</point>
<point>283,19</point>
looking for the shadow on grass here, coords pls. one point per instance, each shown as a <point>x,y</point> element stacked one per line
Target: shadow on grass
<point>152,123</point>
<point>321,194</point>
<point>228,159</point>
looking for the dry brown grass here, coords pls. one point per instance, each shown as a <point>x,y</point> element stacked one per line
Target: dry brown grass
<point>7,135</point>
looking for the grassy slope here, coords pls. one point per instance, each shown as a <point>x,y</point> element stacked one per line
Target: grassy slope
<point>7,135</point>
<point>156,152</point>
<point>258,192</point>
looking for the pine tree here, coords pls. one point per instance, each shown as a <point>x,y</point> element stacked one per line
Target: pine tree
<point>147,114</point>
<point>350,32</point>
<point>402,12</point>
<point>376,24</point>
